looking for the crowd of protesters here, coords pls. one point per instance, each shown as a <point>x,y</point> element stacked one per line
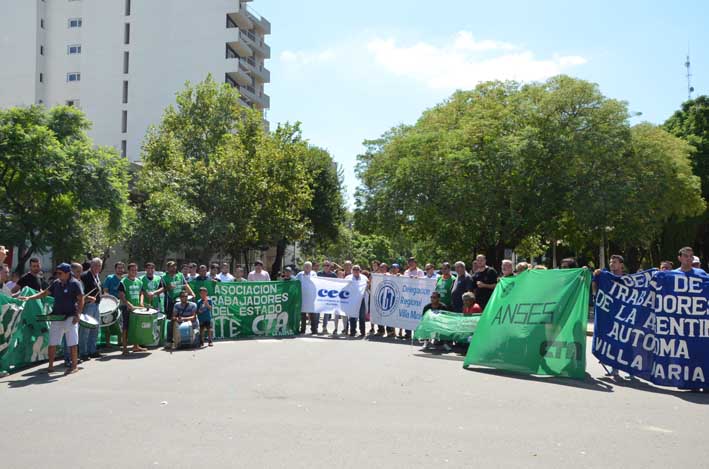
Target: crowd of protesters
<point>182,295</point>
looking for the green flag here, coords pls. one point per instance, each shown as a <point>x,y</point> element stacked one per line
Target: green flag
<point>243,309</point>
<point>23,338</point>
<point>445,325</point>
<point>535,323</point>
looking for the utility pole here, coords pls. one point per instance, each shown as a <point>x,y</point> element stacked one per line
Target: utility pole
<point>690,88</point>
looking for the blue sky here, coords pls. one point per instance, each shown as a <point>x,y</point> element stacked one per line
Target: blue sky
<point>351,70</point>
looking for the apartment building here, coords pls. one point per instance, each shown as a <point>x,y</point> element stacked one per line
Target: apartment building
<point>122,61</point>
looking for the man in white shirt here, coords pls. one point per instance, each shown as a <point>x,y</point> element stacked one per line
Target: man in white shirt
<point>308,272</point>
<point>258,274</point>
<point>413,271</point>
<point>430,272</point>
<point>224,275</point>
<point>357,276</point>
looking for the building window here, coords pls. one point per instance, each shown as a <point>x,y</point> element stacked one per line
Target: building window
<point>41,50</point>
<point>127,7</point>
<point>125,62</point>
<point>73,76</point>
<point>125,92</point>
<point>73,49</point>
<point>126,34</point>
<point>41,77</point>
<point>124,122</point>
<point>73,103</point>
<point>41,23</point>
<point>74,22</point>
<point>124,148</point>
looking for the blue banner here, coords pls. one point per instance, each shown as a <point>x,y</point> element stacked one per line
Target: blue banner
<point>654,325</point>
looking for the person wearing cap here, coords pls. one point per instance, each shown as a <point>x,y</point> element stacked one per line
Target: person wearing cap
<point>395,269</point>
<point>68,302</point>
<point>288,274</point>
<point>696,263</point>
<point>258,274</point>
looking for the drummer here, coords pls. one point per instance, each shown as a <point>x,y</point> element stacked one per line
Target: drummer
<point>175,283</point>
<point>153,286</point>
<point>131,294</point>
<point>68,302</point>
<point>92,287</point>
<point>185,311</point>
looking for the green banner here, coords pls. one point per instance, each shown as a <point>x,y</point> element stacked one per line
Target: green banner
<point>446,325</point>
<point>247,309</point>
<point>535,323</point>
<point>23,338</point>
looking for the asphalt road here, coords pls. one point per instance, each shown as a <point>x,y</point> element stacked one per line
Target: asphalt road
<point>316,402</point>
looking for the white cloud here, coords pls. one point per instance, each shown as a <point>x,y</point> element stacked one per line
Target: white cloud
<point>464,61</point>
<point>307,57</point>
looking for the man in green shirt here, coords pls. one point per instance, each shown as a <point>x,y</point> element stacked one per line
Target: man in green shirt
<point>153,286</point>
<point>444,284</point>
<point>203,279</point>
<point>130,292</point>
<point>175,282</point>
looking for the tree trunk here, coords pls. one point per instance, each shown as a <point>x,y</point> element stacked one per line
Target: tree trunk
<point>23,255</point>
<point>553,253</point>
<point>278,261</point>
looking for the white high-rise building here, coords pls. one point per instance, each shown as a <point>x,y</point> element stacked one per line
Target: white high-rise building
<point>123,61</point>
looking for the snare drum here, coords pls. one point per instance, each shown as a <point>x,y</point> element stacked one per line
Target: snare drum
<point>88,322</point>
<point>109,311</point>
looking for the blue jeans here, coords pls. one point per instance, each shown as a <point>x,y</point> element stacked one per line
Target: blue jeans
<point>88,337</point>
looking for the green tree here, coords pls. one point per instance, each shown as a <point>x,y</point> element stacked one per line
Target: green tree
<point>57,190</point>
<point>691,123</point>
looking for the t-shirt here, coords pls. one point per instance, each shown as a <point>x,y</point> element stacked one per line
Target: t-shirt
<point>462,284</point>
<point>111,284</point>
<point>472,309</point>
<point>256,277</point>
<point>131,289</point>
<point>225,277</point>
<point>150,285</point>
<point>203,312</point>
<point>186,310</point>
<point>487,275</point>
<point>177,282</point>
<point>66,296</point>
<point>416,273</point>
<point>30,280</point>
<point>300,275</point>
<point>444,287</point>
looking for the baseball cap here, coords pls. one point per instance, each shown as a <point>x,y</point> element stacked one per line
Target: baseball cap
<point>258,262</point>
<point>63,267</point>
<point>696,260</point>
<point>395,266</point>
<point>288,269</point>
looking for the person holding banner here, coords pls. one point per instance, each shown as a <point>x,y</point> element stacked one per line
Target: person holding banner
<point>356,276</point>
<point>175,283</point>
<point>68,302</point>
<point>258,274</point>
<point>686,261</point>
<point>307,272</point>
<point>325,272</point>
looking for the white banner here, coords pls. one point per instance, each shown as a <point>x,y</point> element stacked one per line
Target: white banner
<point>399,301</point>
<point>332,295</point>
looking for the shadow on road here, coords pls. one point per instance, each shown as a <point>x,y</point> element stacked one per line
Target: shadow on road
<point>441,356</point>
<point>589,382</point>
<point>37,377</point>
<point>694,397</point>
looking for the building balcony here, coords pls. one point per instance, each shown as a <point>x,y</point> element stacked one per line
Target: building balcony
<point>259,22</point>
<point>241,18</point>
<point>240,47</point>
<point>259,72</point>
<point>239,73</point>
<point>255,43</point>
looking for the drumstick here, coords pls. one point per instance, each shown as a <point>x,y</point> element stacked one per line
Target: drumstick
<point>89,293</point>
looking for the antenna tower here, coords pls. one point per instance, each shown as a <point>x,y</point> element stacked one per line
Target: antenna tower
<point>690,88</point>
